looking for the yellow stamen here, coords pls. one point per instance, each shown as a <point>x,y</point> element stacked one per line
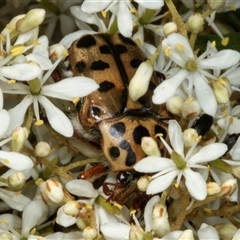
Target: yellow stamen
<point>64,53</point>
<point>176,185</point>
<point>159,135</point>
<point>168,51</point>
<point>75,100</point>
<point>9,27</point>
<point>180,47</point>
<point>17,50</point>
<point>36,43</point>
<point>189,99</point>
<point>230,120</point>
<point>199,139</point>
<point>88,206</point>
<point>104,14</point>
<point>39,122</point>
<point>33,231</point>
<point>12,81</point>
<point>221,81</point>
<point>225,41</point>
<point>39,181</point>
<point>6,161</point>
<point>213,44</point>
<point>138,41</point>
<point>208,210</point>
<point>117,205</point>
<point>132,212</point>
<point>132,10</point>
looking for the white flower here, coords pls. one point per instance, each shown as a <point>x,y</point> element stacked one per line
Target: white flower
<point>192,72</point>
<point>180,164</point>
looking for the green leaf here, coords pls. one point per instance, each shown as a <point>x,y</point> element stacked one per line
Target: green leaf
<point>221,166</point>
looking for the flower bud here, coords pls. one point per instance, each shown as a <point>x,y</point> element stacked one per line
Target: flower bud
<point>81,224</point>
<point>150,146</point>
<point>19,137</point>
<point>161,226</point>
<point>16,180</point>
<point>222,90</point>
<point>143,183</point>
<point>216,4</point>
<point>186,235</point>
<point>32,19</point>
<point>12,24</point>
<point>42,149</point>
<point>228,187</point>
<point>213,188</point>
<point>139,83</point>
<point>170,27</point>
<point>71,208</point>
<point>196,22</point>
<point>174,105</point>
<point>136,233</point>
<point>159,210</point>
<point>190,136</point>
<point>226,231</point>
<point>89,233</point>
<point>190,108</point>
<point>57,51</point>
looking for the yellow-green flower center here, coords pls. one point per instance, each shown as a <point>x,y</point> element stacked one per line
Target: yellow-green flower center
<point>178,160</point>
<point>191,66</point>
<point>35,86</point>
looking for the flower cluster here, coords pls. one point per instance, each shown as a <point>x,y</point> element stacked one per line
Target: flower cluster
<point>55,181</point>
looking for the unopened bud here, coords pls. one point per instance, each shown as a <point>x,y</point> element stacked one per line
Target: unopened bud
<point>174,105</point>
<point>16,180</point>
<point>186,235</point>
<point>222,90</point>
<point>226,231</point>
<point>89,233</point>
<point>190,136</point>
<point>216,4</point>
<point>213,188</point>
<point>161,226</point>
<point>170,27</point>
<point>143,183</point>
<point>71,208</point>
<point>136,233</point>
<point>139,83</point>
<point>42,149</point>
<point>159,210</point>
<point>196,22</point>
<point>190,108</point>
<point>32,19</point>
<point>150,147</point>
<point>19,137</point>
<point>228,187</point>
<point>81,224</point>
<point>12,24</point>
<point>57,51</point>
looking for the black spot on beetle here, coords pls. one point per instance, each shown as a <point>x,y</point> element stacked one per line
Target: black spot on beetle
<point>99,65</point>
<point>105,86</point>
<point>80,66</point>
<point>105,49</point>
<point>86,42</point>
<point>138,133</point>
<point>131,158</point>
<point>135,63</point>
<point>159,129</point>
<point>127,40</point>
<point>114,152</point>
<point>125,145</point>
<point>117,130</point>
<point>120,48</point>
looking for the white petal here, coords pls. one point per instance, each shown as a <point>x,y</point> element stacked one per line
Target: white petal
<point>235,151</point>
<point>148,212</point>
<point>125,22</point>
<point>63,236</point>
<point>18,112</point>
<point>82,188</point>
<point>1,99</point>
<point>57,119</point>
<point>64,219</point>
<point>208,153</point>
<point>116,231</point>
<point>154,4</point>
<point>221,60</point>
<point>43,62</point>
<point>153,164</point>
<point>5,122</point>
<point>12,220</point>
<point>234,77</point>
<point>236,235</point>
<point>207,232</point>
<point>168,88</point>
<point>161,183</point>
<point>42,48</point>
<point>21,72</point>
<point>175,135</point>
<point>16,161</point>
<point>70,88</point>
<point>92,6</point>
<point>234,126</point>
<point>195,183</point>
<point>204,95</point>
<point>13,200</point>
<point>36,212</point>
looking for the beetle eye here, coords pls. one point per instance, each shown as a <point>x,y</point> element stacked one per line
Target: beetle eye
<point>95,112</point>
<point>124,177</point>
